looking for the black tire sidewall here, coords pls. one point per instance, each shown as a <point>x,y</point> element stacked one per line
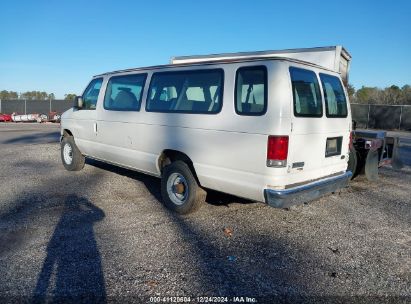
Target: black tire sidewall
<point>192,202</point>
<point>78,159</point>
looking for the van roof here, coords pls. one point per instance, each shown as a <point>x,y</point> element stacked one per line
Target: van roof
<point>215,62</point>
<point>326,56</point>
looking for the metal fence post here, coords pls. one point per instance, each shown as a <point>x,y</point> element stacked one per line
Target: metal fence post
<point>50,105</point>
<point>0,105</point>
<point>368,115</point>
<point>399,127</point>
<point>25,106</point>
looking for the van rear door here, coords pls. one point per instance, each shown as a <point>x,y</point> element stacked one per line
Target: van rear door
<point>320,131</point>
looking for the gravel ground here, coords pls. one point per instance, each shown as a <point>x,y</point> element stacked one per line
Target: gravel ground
<point>102,235</point>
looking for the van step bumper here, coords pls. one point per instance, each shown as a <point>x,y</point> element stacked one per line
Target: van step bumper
<point>285,198</point>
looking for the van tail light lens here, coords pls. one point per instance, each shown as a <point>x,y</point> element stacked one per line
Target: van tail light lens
<point>277,151</point>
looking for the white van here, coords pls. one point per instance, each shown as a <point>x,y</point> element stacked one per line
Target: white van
<point>261,126</point>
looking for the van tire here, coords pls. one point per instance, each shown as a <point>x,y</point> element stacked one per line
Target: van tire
<point>192,196</point>
<point>68,148</point>
<point>353,163</point>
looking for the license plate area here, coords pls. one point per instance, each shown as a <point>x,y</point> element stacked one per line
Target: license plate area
<point>333,146</point>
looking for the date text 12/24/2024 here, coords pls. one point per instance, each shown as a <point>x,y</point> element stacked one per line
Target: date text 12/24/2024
<point>240,299</point>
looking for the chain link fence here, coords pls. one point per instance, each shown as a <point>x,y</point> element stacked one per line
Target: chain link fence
<point>367,116</point>
<point>34,106</point>
<point>386,117</point>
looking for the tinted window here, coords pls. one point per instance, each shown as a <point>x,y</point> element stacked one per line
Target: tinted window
<point>306,93</point>
<point>335,101</point>
<point>90,95</point>
<point>251,91</point>
<point>186,92</point>
<point>124,93</point>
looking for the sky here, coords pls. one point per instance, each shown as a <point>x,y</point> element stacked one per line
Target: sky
<point>57,46</point>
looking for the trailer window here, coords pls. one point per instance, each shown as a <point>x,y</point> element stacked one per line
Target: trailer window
<point>335,101</point>
<point>186,92</point>
<point>123,93</point>
<point>251,91</point>
<point>306,93</point>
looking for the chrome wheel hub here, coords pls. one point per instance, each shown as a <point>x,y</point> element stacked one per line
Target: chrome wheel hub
<point>68,154</point>
<point>177,188</point>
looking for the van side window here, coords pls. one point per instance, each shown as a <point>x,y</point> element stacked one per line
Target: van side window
<point>335,101</point>
<point>186,92</point>
<point>251,90</point>
<point>90,95</point>
<point>124,93</point>
<point>306,93</point>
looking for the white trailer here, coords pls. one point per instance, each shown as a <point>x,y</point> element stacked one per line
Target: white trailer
<point>334,58</point>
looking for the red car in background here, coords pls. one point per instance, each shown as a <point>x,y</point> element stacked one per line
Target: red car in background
<point>5,117</point>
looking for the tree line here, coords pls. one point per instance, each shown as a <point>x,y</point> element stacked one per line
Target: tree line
<point>32,95</point>
<point>392,95</point>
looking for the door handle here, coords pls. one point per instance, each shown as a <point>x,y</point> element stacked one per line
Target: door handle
<point>95,127</point>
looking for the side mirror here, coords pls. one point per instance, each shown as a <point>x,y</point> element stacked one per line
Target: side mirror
<point>78,102</point>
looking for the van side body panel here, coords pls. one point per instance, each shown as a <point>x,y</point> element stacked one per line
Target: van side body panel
<point>228,150</point>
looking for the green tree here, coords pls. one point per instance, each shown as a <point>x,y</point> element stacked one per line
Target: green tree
<point>367,95</point>
<point>7,95</point>
<point>36,95</point>
<point>70,96</point>
<point>351,92</point>
<point>391,95</point>
<point>406,95</point>
<point>4,95</point>
<point>13,95</point>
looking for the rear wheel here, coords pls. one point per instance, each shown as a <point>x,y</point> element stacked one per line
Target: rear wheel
<point>71,156</point>
<point>179,189</point>
<point>353,162</point>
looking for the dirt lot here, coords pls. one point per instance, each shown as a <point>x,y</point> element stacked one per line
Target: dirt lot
<point>102,234</point>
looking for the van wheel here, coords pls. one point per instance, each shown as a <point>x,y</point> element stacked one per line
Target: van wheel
<point>353,163</point>
<point>180,190</point>
<point>71,156</point>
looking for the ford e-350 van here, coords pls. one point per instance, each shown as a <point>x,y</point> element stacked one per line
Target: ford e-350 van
<point>265,126</point>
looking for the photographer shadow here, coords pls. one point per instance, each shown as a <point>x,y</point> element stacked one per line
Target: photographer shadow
<point>72,270</point>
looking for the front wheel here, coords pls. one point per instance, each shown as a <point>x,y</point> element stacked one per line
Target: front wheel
<point>180,190</point>
<point>71,156</point>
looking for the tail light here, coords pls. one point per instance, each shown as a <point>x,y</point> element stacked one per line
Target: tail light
<point>277,151</point>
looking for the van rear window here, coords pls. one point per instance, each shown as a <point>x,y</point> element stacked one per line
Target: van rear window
<point>186,92</point>
<point>306,93</point>
<point>335,101</point>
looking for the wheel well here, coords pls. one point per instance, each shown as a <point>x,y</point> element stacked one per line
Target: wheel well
<point>67,133</point>
<point>168,156</point>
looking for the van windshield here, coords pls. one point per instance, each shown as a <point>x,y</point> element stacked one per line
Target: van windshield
<point>306,93</point>
<point>335,101</point>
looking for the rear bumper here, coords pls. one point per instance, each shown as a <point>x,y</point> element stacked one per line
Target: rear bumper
<point>287,197</point>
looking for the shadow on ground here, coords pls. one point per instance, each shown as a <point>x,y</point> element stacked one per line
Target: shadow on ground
<point>73,257</point>
<point>153,185</point>
<point>35,138</point>
<point>72,269</point>
<point>258,264</point>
